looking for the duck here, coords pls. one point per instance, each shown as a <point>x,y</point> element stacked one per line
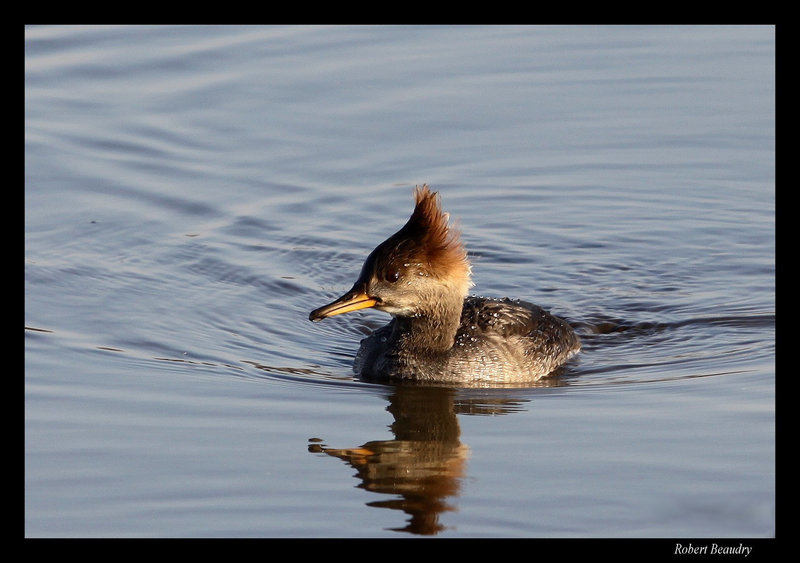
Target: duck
<point>421,276</point>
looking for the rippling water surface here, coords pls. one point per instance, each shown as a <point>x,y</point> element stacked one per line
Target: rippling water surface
<point>191,193</point>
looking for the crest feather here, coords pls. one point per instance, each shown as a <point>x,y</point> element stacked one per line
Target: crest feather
<point>441,242</point>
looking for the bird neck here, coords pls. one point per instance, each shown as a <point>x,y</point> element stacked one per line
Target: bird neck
<point>432,328</point>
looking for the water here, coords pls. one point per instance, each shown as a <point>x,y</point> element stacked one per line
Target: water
<point>191,193</point>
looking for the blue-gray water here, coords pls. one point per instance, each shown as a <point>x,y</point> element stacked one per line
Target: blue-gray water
<point>191,193</point>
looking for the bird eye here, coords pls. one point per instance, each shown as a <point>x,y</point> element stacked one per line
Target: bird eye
<point>392,276</point>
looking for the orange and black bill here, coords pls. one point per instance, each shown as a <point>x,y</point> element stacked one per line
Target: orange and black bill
<point>353,300</point>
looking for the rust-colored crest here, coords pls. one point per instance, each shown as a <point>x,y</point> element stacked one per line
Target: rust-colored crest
<point>440,242</point>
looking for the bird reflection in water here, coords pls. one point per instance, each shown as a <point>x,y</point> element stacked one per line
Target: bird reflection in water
<point>425,463</point>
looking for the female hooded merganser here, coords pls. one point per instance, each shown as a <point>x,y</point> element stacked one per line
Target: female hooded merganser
<point>420,275</point>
